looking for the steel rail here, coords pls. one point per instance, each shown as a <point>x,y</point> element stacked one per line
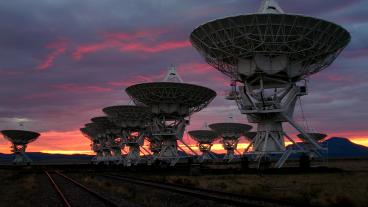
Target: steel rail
<point>90,191</point>
<point>223,197</point>
<point>59,192</point>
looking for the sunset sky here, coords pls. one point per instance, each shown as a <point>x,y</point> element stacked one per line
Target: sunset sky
<point>62,61</point>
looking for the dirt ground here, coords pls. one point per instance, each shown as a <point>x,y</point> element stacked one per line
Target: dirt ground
<point>345,187</point>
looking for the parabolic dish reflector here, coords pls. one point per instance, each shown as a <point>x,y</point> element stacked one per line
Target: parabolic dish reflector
<point>193,97</point>
<point>104,122</point>
<point>316,136</point>
<point>228,129</point>
<point>129,117</point>
<point>203,136</point>
<point>94,129</point>
<point>127,112</point>
<point>20,136</point>
<point>289,45</point>
<point>87,133</point>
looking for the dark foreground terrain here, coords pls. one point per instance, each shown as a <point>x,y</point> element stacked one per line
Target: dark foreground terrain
<point>343,183</point>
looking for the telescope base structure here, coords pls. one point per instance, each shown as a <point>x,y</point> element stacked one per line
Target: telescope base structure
<point>269,108</point>
<point>106,156</point>
<point>21,157</point>
<point>155,147</point>
<point>169,150</point>
<point>269,138</point>
<point>168,132</point>
<point>98,158</point>
<point>116,156</point>
<point>205,148</point>
<point>133,157</point>
<point>230,145</point>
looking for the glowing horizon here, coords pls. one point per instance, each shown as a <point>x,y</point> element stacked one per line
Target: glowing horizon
<point>78,144</point>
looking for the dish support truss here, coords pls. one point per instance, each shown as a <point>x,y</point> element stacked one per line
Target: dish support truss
<point>155,145</point>
<point>134,139</point>
<point>205,148</point>
<point>116,144</point>
<point>21,157</point>
<point>230,145</point>
<point>168,132</point>
<point>111,150</point>
<point>97,148</point>
<point>269,108</point>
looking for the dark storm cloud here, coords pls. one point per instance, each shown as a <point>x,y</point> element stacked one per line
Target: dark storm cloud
<point>63,60</point>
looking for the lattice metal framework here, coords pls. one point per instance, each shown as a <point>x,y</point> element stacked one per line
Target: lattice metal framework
<point>20,139</point>
<point>306,45</point>
<point>108,135</point>
<point>188,98</point>
<point>127,116</point>
<point>170,103</point>
<point>94,131</point>
<point>134,122</point>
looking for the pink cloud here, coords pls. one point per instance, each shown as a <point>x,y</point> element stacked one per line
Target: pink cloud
<point>136,35</point>
<point>334,77</point>
<point>74,88</point>
<point>356,53</point>
<point>142,41</point>
<point>138,79</point>
<point>59,47</point>
<point>141,47</point>
<point>194,68</point>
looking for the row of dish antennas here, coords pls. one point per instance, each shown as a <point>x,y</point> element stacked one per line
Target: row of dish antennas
<point>158,118</point>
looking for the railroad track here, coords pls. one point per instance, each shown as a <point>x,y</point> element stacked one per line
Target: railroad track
<point>222,197</point>
<point>73,193</point>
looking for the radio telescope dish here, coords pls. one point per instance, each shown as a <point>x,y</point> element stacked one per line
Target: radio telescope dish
<point>108,133</point>
<point>203,136</point>
<point>172,98</point>
<point>205,139</point>
<point>96,145</point>
<point>133,121</point>
<point>312,42</point>
<point>316,136</point>
<point>230,133</point>
<point>170,103</point>
<point>20,139</point>
<point>268,53</point>
<point>19,136</point>
<point>230,130</point>
<point>127,116</point>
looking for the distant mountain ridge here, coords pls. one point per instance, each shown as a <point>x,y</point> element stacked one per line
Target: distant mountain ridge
<point>339,147</point>
<point>38,156</point>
